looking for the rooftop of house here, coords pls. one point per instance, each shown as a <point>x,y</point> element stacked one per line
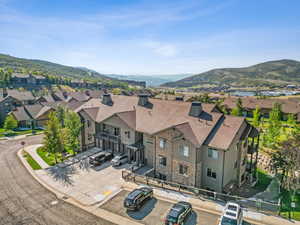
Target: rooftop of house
<point>29,112</point>
<point>213,128</point>
<point>19,95</point>
<point>287,105</point>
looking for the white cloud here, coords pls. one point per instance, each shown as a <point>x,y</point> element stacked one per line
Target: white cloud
<point>162,49</point>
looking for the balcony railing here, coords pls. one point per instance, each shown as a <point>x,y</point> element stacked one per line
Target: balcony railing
<point>106,135</point>
<point>252,149</point>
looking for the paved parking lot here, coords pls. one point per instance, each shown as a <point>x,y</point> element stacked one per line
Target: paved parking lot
<point>85,184</point>
<point>154,212</point>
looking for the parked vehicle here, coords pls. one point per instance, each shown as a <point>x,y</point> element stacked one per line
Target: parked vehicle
<point>178,213</point>
<point>100,158</point>
<point>137,198</point>
<point>119,160</point>
<point>233,214</point>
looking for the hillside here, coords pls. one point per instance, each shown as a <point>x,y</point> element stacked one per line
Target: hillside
<point>21,65</point>
<point>151,80</point>
<point>270,73</point>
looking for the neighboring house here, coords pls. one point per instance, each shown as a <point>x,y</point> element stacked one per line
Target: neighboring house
<point>45,98</point>
<point>27,79</point>
<point>10,99</point>
<point>188,143</point>
<point>31,115</point>
<point>71,96</point>
<point>288,106</point>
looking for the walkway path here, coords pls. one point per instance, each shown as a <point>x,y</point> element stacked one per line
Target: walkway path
<point>31,150</point>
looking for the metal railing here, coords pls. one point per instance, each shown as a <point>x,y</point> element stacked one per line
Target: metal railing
<point>256,205</point>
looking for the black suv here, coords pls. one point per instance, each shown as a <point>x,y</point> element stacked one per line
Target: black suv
<point>178,213</point>
<point>136,198</point>
<point>99,158</point>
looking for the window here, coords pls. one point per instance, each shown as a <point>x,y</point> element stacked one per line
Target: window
<point>183,169</point>
<point>162,160</point>
<point>103,127</point>
<point>162,143</point>
<point>162,176</point>
<point>127,134</point>
<point>244,160</point>
<point>213,153</point>
<point>235,164</point>
<point>211,173</point>
<point>88,123</point>
<point>184,150</point>
<point>243,177</point>
<point>90,137</point>
<point>116,131</point>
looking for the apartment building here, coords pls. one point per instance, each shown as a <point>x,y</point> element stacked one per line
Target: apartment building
<point>188,143</point>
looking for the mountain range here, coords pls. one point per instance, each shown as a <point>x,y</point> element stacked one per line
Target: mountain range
<point>45,67</point>
<point>271,73</point>
<point>151,80</point>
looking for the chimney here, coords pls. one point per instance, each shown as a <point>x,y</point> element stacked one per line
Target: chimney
<point>65,94</point>
<point>4,92</point>
<point>179,98</point>
<point>196,109</point>
<point>106,99</point>
<point>143,100</point>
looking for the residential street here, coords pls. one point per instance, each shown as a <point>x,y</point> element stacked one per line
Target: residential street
<point>24,201</point>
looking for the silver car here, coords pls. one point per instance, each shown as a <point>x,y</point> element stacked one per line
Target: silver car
<point>119,160</point>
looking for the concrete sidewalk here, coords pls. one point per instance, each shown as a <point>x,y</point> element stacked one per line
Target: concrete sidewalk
<point>31,150</point>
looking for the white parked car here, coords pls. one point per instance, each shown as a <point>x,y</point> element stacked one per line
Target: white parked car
<point>119,160</point>
<point>233,214</point>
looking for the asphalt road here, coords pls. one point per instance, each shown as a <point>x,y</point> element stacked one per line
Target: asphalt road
<point>23,201</point>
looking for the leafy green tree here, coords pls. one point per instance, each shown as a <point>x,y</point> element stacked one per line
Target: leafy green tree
<point>256,116</point>
<point>238,110</point>
<point>73,125</point>
<point>60,113</point>
<point>291,120</point>
<point>285,161</point>
<point>10,123</point>
<point>274,127</point>
<point>53,140</point>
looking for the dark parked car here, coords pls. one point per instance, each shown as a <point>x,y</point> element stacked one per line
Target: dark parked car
<point>178,213</point>
<point>99,158</point>
<point>136,199</point>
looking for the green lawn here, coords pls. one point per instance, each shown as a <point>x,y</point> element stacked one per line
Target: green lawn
<point>263,180</point>
<point>48,157</point>
<point>5,133</point>
<point>34,165</point>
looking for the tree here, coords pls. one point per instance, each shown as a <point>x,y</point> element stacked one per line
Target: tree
<point>60,113</point>
<point>116,91</point>
<point>73,125</point>
<point>285,161</point>
<point>53,140</point>
<point>10,123</point>
<point>273,131</point>
<point>256,117</point>
<point>238,110</point>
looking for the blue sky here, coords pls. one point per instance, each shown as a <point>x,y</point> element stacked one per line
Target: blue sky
<point>151,36</point>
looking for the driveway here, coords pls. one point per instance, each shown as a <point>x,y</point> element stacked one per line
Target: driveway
<point>24,201</point>
<point>85,184</point>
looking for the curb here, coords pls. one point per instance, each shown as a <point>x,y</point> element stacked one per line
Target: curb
<point>92,209</point>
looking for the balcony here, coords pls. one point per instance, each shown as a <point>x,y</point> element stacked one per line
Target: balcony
<point>108,136</point>
<point>252,149</point>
